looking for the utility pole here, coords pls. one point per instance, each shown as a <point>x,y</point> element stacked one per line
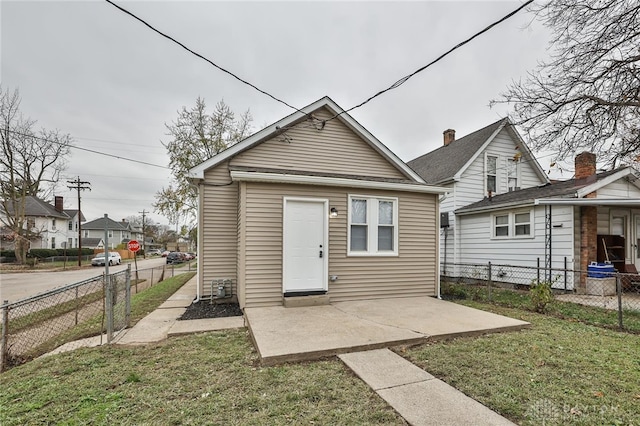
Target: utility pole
<point>79,185</point>
<point>144,235</point>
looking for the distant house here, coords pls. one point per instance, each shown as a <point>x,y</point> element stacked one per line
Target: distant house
<point>117,232</point>
<point>314,206</point>
<point>93,243</point>
<point>53,225</point>
<point>502,209</point>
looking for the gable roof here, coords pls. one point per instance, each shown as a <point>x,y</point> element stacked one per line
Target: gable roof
<point>35,207</point>
<point>73,212</point>
<point>569,189</point>
<point>292,119</point>
<point>92,242</point>
<point>100,224</point>
<point>449,161</point>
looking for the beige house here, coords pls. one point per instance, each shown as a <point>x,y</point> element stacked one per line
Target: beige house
<point>315,207</point>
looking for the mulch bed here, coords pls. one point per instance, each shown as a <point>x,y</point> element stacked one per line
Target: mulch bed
<point>206,309</point>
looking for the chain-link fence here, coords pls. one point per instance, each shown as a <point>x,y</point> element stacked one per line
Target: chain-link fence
<point>39,324</point>
<point>610,293</point>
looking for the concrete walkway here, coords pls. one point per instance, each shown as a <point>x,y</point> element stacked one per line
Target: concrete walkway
<point>416,395</point>
<point>163,322</point>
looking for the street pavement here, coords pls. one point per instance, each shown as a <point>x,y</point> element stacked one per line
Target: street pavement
<point>17,286</point>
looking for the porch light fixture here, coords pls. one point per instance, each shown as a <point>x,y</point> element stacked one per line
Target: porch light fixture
<point>334,212</point>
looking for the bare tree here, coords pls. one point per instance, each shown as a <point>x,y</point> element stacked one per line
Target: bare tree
<point>587,96</point>
<point>30,165</point>
<point>196,137</point>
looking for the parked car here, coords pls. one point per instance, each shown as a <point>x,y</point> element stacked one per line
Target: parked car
<point>114,259</point>
<point>176,257</point>
<point>154,252</point>
<point>165,253</point>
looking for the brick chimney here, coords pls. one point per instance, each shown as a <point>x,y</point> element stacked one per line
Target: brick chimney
<point>585,165</point>
<point>449,136</point>
<point>59,203</point>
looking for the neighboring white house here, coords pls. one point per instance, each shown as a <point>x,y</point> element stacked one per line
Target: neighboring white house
<point>502,209</point>
<point>490,161</point>
<point>117,232</point>
<point>53,224</point>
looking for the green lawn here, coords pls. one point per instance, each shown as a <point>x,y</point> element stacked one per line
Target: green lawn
<point>201,379</point>
<point>559,371</point>
<point>556,372</point>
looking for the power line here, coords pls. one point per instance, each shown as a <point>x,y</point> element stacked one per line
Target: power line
<point>151,27</point>
<point>404,79</point>
<point>85,149</point>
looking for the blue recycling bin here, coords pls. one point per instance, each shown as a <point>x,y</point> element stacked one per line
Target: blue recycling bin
<point>600,270</point>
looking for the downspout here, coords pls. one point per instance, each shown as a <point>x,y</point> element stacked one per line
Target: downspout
<point>437,233</point>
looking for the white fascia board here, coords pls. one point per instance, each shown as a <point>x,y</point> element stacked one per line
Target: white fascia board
<point>458,175</point>
<point>198,171</point>
<point>333,181</point>
<point>514,132</point>
<point>623,202</point>
<point>525,203</point>
<point>603,182</point>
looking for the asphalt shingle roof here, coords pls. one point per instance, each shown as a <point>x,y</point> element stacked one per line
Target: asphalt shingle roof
<point>443,163</point>
<point>111,224</point>
<point>36,207</point>
<point>565,188</point>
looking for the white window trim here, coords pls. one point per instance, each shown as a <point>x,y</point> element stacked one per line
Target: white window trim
<point>486,172</point>
<point>372,226</point>
<point>512,225</point>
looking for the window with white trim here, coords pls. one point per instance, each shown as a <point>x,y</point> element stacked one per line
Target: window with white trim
<point>512,225</point>
<point>373,226</point>
<point>492,170</point>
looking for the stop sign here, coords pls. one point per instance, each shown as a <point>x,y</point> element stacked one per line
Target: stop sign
<point>133,246</point>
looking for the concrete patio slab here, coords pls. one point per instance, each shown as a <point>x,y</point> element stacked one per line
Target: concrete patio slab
<point>292,334</point>
<point>430,316</point>
<point>416,395</point>
<point>203,325</point>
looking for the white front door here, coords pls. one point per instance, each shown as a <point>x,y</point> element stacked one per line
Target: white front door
<point>635,243</point>
<point>305,246</point>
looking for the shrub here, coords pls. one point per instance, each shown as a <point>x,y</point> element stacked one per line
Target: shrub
<point>541,295</point>
<point>42,253</point>
<point>8,253</point>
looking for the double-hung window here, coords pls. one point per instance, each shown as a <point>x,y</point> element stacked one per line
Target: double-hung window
<point>492,172</point>
<point>513,224</point>
<point>373,226</point>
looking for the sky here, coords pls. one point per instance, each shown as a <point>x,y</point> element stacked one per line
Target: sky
<point>87,69</point>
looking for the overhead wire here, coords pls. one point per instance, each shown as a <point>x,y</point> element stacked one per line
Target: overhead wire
<point>85,149</point>
<point>404,79</point>
<point>168,37</point>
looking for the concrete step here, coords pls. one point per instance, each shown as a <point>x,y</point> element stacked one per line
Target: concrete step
<point>300,301</point>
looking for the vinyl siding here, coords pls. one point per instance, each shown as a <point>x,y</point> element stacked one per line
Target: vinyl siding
<point>621,188</point>
<point>478,246</point>
<point>242,238</point>
<point>219,227</point>
<point>334,149</point>
<point>413,272</point>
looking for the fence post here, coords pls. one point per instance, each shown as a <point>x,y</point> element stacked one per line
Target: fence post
<point>151,283</point>
<point>538,271</point>
<point>565,274</point>
<point>109,307</point>
<point>77,306</point>
<point>489,281</point>
<point>127,318</point>
<point>619,292</point>
<point>5,335</point>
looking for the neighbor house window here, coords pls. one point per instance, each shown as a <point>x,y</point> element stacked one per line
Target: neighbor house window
<point>86,234</point>
<point>53,224</point>
<point>373,225</point>
<point>513,224</point>
<point>512,175</point>
<point>31,223</point>
<point>501,226</point>
<point>70,226</point>
<point>53,242</point>
<point>492,169</point>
